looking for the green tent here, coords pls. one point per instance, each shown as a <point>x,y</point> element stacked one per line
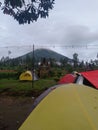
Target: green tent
<point>68,107</point>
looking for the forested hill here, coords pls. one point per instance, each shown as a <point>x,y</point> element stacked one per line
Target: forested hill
<point>35,57</point>
<point>44,53</point>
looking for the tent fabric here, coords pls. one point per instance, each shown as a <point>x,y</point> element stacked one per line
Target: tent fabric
<point>27,76</point>
<point>68,78</point>
<point>68,107</point>
<point>92,77</point>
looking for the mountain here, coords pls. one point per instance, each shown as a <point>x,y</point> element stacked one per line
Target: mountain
<point>44,53</point>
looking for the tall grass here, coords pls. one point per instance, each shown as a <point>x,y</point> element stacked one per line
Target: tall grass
<point>16,87</point>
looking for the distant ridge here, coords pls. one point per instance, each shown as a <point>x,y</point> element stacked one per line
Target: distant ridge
<point>46,53</point>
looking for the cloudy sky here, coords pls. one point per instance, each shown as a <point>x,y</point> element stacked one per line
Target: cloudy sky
<point>72,27</point>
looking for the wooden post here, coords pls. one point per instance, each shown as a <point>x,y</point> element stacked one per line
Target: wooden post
<point>33,67</point>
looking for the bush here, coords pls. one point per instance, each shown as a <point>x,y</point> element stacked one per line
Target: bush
<point>8,75</point>
<point>56,79</point>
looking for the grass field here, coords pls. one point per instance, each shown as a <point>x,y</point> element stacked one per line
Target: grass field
<point>14,87</point>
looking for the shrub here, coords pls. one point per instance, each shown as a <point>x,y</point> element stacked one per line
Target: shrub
<point>8,75</point>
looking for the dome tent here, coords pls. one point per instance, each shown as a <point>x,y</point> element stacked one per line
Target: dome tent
<point>89,78</point>
<point>69,106</point>
<point>28,76</point>
<point>68,78</point>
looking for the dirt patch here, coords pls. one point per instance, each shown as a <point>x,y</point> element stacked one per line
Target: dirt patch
<point>9,92</point>
<point>13,111</point>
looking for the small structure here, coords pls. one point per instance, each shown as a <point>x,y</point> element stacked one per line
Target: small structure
<point>44,68</point>
<point>28,76</point>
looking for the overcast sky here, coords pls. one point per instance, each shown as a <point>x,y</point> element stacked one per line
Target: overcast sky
<point>72,27</point>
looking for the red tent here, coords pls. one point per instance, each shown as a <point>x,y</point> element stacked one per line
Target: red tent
<point>92,77</point>
<point>69,78</point>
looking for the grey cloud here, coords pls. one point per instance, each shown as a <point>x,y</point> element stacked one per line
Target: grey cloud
<point>76,34</point>
<point>69,23</point>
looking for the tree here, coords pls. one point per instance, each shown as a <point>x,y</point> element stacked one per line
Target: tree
<point>27,11</point>
<point>75,59</point>
<point>97,55</point>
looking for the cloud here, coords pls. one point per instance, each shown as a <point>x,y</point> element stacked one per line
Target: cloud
<point>70,23</point>
<point>79,35</point>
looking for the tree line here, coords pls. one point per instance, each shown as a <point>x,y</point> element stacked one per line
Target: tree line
<point>70,65</point>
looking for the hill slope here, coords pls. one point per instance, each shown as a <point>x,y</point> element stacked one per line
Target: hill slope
<point>46,53</point>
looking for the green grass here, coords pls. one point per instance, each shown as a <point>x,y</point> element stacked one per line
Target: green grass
<point>16,87</point>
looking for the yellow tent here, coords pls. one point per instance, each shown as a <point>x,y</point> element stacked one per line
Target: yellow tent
<point>68,107</point>
<point>27,76</point>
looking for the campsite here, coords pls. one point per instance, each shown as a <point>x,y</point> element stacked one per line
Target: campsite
<point>22,89</point>
<point>73,102</point>
<point>19,98</point>
<point>48,65</point>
